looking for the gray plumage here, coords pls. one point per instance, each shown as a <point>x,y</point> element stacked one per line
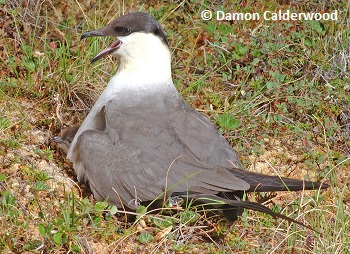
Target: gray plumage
<point>141,142</point>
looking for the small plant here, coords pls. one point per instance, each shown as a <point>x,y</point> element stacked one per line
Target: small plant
<point>145,238</point>
<point>229,122</point>
<point>47,153</point>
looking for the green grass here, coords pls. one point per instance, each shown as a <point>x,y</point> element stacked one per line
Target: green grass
<point>278,91</point>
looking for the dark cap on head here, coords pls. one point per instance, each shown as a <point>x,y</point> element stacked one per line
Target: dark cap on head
<point>128,24</point>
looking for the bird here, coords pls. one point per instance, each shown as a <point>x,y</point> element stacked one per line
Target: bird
<point>64,141</point>
<point>142,143</point>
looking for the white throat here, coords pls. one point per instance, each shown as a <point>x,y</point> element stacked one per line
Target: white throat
<point>144,63</point>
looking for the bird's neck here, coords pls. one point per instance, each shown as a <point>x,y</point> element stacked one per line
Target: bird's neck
<point>144,65</point>
<point>143,76</point>
<point>140,79</point>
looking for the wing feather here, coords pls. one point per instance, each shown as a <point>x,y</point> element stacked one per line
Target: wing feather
<point>141,157</point>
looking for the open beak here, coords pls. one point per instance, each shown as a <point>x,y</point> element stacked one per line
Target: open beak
<point>113,47</point>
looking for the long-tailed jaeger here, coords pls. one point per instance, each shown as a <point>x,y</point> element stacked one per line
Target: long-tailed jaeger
<point>141,142</point>
<point>64,141</point>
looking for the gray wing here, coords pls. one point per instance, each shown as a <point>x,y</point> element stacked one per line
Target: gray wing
<point>162,149</point>
<point>201,136</point>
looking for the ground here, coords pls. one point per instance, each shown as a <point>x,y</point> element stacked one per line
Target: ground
<point>277,90</point>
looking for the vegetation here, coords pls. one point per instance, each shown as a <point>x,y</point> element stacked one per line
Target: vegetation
<point>278,90</point>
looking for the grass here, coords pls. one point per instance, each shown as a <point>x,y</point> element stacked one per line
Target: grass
<point>278,91</point>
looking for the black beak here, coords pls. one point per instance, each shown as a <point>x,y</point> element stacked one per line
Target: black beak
<point>92,33</point>
<point>113,47</point>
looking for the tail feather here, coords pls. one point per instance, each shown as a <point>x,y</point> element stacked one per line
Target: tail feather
<point>233,208</point>
<point>260,182</point>
<point>261,208</point>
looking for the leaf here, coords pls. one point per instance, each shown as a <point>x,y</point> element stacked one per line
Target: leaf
<point>2,177</point>
<point>100,206</point>
<point>189,217</point>
<point>4,123</point>
<point>272,84</point>
<point>141,210</point>
<point>59,221</point>
<point>42,230</point>
<point>228,121</point>
<point>145,238</point>
<point>41,215</point>
<point>113,210</point>
<point>318,27</point>
<point>163,222</point>
<point>57,237</point>
<point>97,220</point>
<point>40,186</point>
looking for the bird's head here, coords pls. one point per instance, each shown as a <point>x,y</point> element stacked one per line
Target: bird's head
<point>140,40</point>
<point>65,140</point>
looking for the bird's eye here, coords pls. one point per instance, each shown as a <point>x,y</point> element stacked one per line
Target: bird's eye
<point>123,30</point>
<point>126,31</point>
